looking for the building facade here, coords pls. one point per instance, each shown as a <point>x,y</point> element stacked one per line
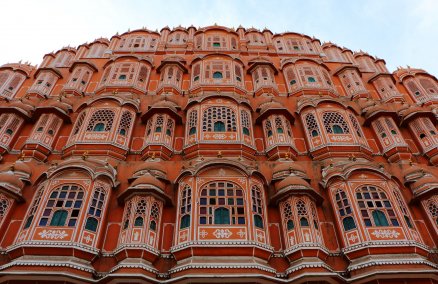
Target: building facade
<point>199,155</point>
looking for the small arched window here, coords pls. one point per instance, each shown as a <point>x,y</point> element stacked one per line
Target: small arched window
<point>221,216</point>
<point>192,130</point>
<point>138,222</point>
<point>91,224</point>
<point>101,120</point>
<point>337,129</point>
<point>290,225</point>
<point>258,221</point>
<point>185,207</point>
<point>311,80</point>
<point>334,121</point>
<point>257,206</point>
<point>219,126</point>
<point>344,210</point>
<point>59,218</point>
<point>99,127</point>
<point>217,75</point>
<point>348,223</point>
<point>380,218</point>
<point>185,222</point>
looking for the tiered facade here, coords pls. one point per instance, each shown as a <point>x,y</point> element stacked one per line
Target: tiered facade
<point>217,155</point>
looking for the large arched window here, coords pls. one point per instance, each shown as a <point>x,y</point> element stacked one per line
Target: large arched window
<point>375,207</point>
<point>221,203</point>
<point>63,206</point>
<point>335,123</point>
<point>101,120</point>
<point>219,119</point>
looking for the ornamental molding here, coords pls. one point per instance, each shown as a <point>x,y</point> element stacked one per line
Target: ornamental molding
<point>142,246</point>
<point>384,244</point>
<point>305,246</point>
<point>392,262</point>
<point>221,243</point>
<point>136,265</point>
<point>69,264</point>
<point>295,268</point>
<point>223,266</point>
<point>53,234</point>
<point>222,233</point>
<point>385,234</point>
<point>47,244</point>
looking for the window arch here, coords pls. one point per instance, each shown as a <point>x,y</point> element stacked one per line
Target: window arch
<point>63,206</point>
<point>225,115</point>
<point>185,207</point>
<point>101,120</point>
<point>154,216</point>
<point>219,199</point>
<point>288,217</point>
<point>335,123</point>
<point>375,207</point>
<point>344,210</point>
<point>268,128</point>
<point>302,213</point>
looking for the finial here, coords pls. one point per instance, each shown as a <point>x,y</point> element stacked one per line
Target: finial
<point>219,154</point>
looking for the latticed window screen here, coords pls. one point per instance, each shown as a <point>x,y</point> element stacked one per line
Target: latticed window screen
<point>375,207</point>
<point>185,207</point>
<point>279,125</point>
<point>96,209</point>
<point>140,213</point>
<point>335,123</point>
<point>257,206</point>
<point>288,216</point>
<point>312,125</point>
<point>127,214</point>
<point>432,208</point>
<point>268,128</point>
<point>63,206</point>
<point>159,123</point>
<point>246,124</point>
<point>143,74</point>
<point>221,203</point>
<point>302,213</point>
<point>4,206</point>
<point>33,209</point>
<point>169,127</point>
<point>356,125</point>
<point>403,208</point>
<point>216,114</point>
<point>79,122</point>
<point>344,209</point>
<point>101,119</point>
<point>154,216</point>
<point>429,85</point>
<point>193,122</point>
<point>125,123</point>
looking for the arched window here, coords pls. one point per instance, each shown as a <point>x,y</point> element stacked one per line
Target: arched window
<point>257,206</point>
<point>140,212</point>
<point>139,222</point>
<point>79,122</point>
<point>219,126</point>
<point>63,206</point>
<point>403,208</point>
<point>217,75</point>
<point>101,120</point>
<point>334,121</point>
<point>268,128</point>
<point>344,210</point>
<point>34,207</point>
<point>127,214</point>
<point>375,207</point>
<point>91,224</point>
<point>279,125</point>
<point>193,121</point>
<point>59,218</point>
<point>225,196</point>
<point>159,124</point>
<point>221,216</point>
<point>311,80</point>
<point>225,115</point>
<point>185,207</point>
<point>169,127</point>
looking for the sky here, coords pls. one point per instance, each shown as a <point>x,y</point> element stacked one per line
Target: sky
<point>403,32</point>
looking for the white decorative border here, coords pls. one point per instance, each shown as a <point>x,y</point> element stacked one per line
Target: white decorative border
<point>222,266</point>
<point>46,263</point>
<point>53,244</point>
<point>135,246</point>
<point>221,243</point>
<point>384,244</point>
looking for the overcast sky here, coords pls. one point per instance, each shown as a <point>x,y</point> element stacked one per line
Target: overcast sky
<point>403,32</point>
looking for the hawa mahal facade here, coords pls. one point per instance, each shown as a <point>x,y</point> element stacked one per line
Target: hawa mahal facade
<point>217,155</point>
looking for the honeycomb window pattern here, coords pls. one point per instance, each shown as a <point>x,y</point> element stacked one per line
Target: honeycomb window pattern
<point>335,123</point>
<point>104,116</point>
<point>219,114</point>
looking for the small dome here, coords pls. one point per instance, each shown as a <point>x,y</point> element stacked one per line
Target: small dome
<point>147,180</point>
<point>154,168</point>
<point>282,170</point>
<point>293,181</point>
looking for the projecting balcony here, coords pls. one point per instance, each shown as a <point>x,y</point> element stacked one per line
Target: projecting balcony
<point>218,85</point>
<point>312,88</point>
<point>172,85</point>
